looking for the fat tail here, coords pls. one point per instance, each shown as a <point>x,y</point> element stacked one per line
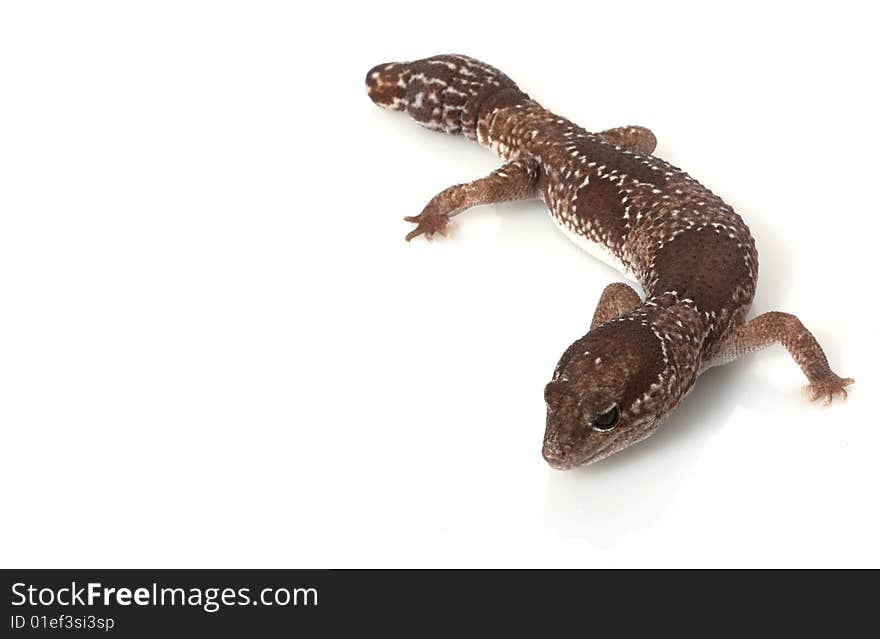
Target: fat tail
<point>447,93</point>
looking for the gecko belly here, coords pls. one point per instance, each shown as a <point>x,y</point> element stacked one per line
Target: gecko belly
<point>596,249</point>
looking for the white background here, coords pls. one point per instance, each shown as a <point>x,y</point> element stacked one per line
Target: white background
<point>217,350</point>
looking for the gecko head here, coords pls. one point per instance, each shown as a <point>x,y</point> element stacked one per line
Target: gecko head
<point>605,393</point>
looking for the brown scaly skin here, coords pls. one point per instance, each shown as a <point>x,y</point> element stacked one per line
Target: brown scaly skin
<point>694,256</point>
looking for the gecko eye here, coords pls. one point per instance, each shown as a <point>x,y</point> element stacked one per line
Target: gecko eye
<point>606,421</point>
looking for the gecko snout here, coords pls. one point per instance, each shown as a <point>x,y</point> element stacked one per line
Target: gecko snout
<point>556,459</point>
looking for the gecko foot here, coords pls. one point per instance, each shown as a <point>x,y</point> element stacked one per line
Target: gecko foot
<point>827,387</point>
<point>428,224</point>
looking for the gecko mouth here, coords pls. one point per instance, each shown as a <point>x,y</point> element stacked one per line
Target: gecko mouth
<point>599,453</point>
<point>563,461</point>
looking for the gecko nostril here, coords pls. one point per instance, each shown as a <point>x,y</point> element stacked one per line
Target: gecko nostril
<point>555,457</point>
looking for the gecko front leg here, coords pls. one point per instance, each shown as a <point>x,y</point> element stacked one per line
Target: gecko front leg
<point>634,138</point>
<point>517,180</point>
<point>616,299</point>
<point>783,328</point>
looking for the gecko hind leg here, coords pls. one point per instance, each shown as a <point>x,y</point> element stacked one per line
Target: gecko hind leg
<point>616,299</point>
<point>635,138</point>
<point>783,328</point>
<point>517,180</point>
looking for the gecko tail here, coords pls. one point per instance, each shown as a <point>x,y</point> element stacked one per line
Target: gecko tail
<point>387,84</point>
<point>445,92</point>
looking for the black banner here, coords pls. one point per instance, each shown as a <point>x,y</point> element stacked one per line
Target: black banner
<point>150,603</point>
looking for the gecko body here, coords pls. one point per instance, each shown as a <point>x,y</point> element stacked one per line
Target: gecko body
<point>692,254</point>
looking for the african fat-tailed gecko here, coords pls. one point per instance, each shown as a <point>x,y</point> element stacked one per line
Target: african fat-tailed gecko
<point>692,254</point>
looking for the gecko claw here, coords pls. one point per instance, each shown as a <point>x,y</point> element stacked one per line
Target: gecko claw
<point>828,387</point>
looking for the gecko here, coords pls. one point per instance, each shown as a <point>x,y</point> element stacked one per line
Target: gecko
<point>693,256</point>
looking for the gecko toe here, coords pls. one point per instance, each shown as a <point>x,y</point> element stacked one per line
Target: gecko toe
<point>828,388</point>
<point>428,225</point>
